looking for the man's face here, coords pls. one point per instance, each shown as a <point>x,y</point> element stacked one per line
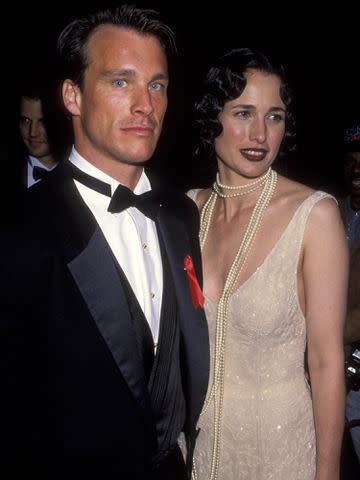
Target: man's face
<point>32,127</point>
<point>119,112</point>
<point>352,173</point>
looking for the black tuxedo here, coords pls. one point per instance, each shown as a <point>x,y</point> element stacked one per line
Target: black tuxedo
<point>77,400</point>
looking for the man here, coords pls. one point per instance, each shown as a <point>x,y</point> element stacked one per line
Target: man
<point>110,339</point>
<point>37,116</point>
<point>351,215</point>
<point>33,133</point>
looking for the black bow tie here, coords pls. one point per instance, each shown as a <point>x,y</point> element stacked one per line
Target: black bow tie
<point>148,203</point>
<point>40,173</point>
<point>124,198</point>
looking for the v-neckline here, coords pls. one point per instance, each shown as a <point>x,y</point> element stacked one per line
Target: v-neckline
<point>267,256</point>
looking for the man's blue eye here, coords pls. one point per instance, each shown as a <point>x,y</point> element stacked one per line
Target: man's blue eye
<point>155,86</point>
<point>120,83</point>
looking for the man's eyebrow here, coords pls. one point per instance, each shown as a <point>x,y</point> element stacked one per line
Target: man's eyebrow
<point>127,72</point>
<point>124,72</point>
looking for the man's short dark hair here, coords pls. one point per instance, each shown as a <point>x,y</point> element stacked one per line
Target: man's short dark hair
<point>74,37</point>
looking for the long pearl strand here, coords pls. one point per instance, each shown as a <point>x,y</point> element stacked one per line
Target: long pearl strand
<point>217,389</point>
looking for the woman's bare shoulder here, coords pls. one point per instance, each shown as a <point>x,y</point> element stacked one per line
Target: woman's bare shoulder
<point>292,192</point>
<point>199,196</point>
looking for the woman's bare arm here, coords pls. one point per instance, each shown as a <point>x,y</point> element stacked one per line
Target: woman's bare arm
<point>325,276</point>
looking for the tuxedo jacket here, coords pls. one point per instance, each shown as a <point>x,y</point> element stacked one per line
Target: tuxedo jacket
<point>76,403</point>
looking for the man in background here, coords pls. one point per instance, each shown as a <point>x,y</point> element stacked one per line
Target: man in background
<point>43,137</point>
<point>350,207</point>
<point>40,157</point>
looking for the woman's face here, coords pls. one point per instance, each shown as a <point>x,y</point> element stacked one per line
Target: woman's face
<point>253,127</point>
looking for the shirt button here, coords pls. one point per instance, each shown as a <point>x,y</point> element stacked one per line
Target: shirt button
<point>152,295</point>
<point>144,246</point>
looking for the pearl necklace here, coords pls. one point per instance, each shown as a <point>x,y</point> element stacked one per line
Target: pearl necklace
<point>217,389</point>
<point>241,189</point>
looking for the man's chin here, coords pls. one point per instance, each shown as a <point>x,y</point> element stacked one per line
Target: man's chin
<point>135,163</point>
<point>140,159</point>
<point>38,155</point>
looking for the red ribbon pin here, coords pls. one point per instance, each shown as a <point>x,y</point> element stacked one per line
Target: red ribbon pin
<point>195,290</point>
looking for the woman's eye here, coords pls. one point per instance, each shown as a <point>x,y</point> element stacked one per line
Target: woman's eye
<point>276,117</point>
<point>242,114</point>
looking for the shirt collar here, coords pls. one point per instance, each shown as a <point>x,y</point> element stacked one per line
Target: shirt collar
<point>80,162</point>
<point>35,162</point>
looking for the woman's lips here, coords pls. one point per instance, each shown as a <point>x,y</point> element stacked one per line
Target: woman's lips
<point>254,154</point>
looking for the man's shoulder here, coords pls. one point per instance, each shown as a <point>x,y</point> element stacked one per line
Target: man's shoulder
<point>170,196</point>
<point>29,215</point>
<point>181,206</point>
<point>42,195</point>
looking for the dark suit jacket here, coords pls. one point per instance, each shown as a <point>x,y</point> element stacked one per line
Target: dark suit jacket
<point>76,403</point>
<point>352,323</point>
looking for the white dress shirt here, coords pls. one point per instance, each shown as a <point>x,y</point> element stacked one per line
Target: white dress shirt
<point>132,238</point>
<point>34,162</point>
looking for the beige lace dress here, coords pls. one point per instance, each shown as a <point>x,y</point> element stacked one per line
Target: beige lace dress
<point>267,422</point>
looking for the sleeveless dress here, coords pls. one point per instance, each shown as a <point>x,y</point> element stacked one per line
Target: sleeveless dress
<point>267,422</point>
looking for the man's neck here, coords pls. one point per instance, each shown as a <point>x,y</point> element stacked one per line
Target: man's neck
<point>127,175</point>
<point>48,161</point>
<point>124,173</point>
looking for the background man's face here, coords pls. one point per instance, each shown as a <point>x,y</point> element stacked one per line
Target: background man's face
<point>32,127</point>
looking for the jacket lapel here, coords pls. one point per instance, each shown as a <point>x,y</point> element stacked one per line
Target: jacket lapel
<point>98,281</point>
<point>92,266</point>
<point>193,325</point>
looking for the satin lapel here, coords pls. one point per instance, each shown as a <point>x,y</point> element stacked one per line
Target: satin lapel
<point>92,266</point>
<point>193,324</point>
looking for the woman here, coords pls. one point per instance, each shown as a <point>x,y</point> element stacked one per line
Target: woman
<point>275,279</point>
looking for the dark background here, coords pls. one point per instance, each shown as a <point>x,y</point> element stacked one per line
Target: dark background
<point>319,49</point>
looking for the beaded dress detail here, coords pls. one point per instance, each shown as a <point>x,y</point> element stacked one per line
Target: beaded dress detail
<point>267,418</point>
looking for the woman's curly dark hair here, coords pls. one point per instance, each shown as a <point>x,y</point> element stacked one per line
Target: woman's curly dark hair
<point>226,81</point>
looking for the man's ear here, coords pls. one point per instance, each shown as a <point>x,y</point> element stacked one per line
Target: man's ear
<point>71,97</point>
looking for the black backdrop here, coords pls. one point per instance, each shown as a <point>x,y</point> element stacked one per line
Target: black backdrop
<point>318,49</point>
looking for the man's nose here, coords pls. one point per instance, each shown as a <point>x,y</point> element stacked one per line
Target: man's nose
<point>34,129</point>
<point>143,103</point>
